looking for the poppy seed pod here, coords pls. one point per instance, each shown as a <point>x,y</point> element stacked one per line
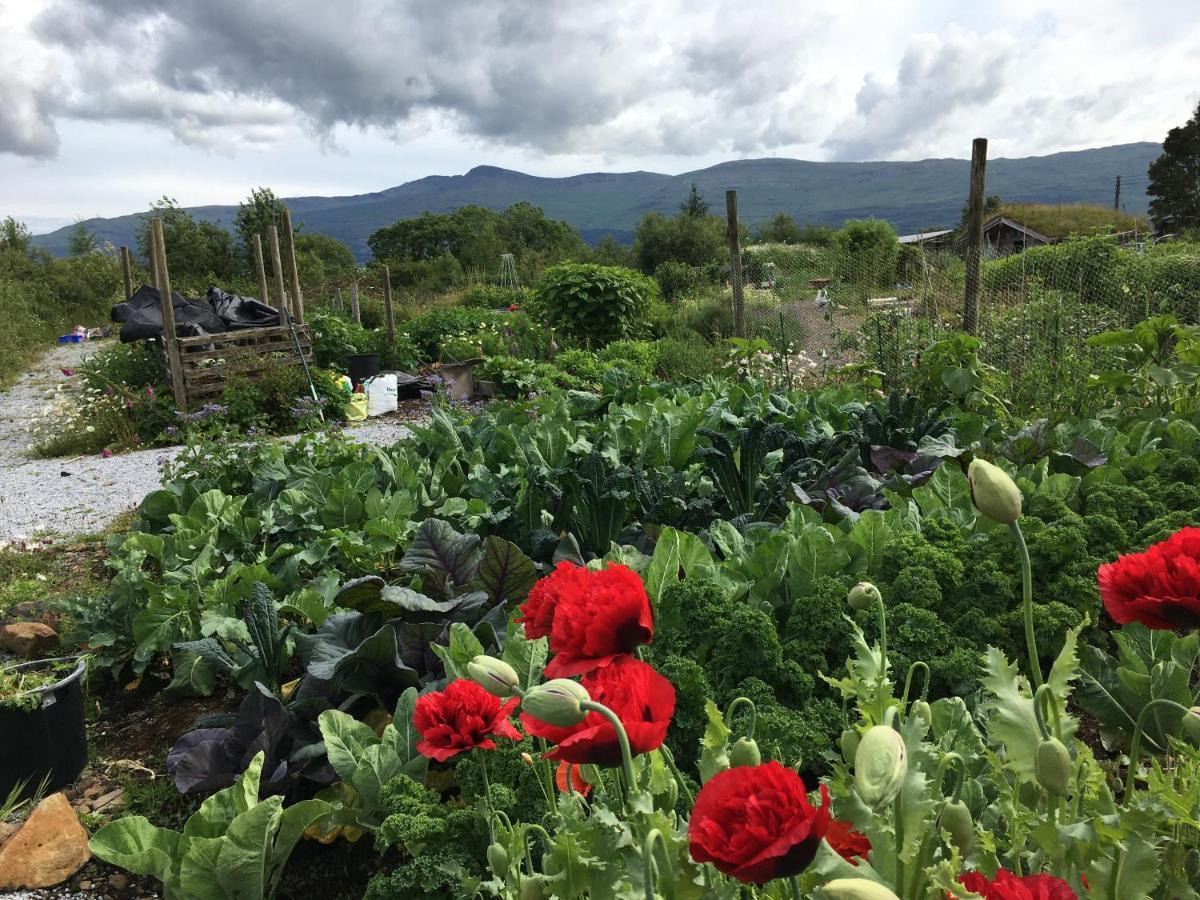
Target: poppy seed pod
<point>856,889</point>
<point>880,765</point>
<point>494,675</point>
<point>862,596</point>
<point>1191,723</point>
<point>957,821</point>
<point>556,702</point>
<point>533,887</point>
<point>497,858</point>
<point>993,492</point>
<point>921,709</point>
<point>1052,767</point>
<point>744,753</point>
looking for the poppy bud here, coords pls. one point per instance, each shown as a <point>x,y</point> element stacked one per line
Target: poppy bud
<point>497,858</point>
<point>849,743</point>
<point>862,596</point>
<point>1191,723</point>
<point>956,820</point>
<point>744,753</point>
<point>527,759</point>
<point>880,765</point>
<point>856,889</point>
<point>993,492</point>
<point>533,887</point>
<point>1052,767</point>
<point>920,709</point>
<point>494,675</point>
<point>556,702</point>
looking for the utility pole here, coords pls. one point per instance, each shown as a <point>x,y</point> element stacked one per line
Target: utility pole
<point>974,233</point>
<point>1117,194</point>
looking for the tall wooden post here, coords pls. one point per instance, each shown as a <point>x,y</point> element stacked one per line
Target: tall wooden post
<point>293,273</point>
<point>153,258</point>
<point>974,234</point>
<point>735,264</point>
<point>260,269</point>
<point>158,250</point>
<point>277,267</point>
<point>127,271</point>
<point>355,312</point>
<point>387,306</point>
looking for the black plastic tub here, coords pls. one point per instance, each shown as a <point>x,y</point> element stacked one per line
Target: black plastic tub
<point>48,742</point>
<point>362,366</point>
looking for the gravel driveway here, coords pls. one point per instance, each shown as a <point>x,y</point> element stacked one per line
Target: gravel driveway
<point>83,494</point>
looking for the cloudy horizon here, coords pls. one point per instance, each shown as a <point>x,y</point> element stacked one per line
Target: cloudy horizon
<point>106,105</point>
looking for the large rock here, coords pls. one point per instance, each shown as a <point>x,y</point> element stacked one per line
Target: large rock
<point>50,847</point>
<point>28,639</point>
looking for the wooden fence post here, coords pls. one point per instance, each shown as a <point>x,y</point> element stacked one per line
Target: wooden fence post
<point>387,307</point>
<point>293,272</point>
<point>126,271</point>
<point>260,269</point>
<point>340,302</point>
<point>277,266</point>
<point>355,312</point>
<point>735,264</point>
<point>158,250</point>
<point>974,234</point>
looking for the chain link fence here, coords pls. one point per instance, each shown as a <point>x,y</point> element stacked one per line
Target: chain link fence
<point>820,308</point>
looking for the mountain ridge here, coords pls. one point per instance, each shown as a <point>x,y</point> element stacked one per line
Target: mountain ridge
<point>912,195</point>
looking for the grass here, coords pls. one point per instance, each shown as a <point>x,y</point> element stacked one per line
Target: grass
<point>1058,221</point>
<point>43,573</point>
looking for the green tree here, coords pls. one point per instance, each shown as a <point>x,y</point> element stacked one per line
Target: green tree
<point>1174,186</point>
<point>695,240</point>
<point>14,236</point>
<point>321,259</point>
<point>781,229</point>
<point>868,250</point>
<point>695,206</point>
<point>255,215</point>
<point>608,252</point>
<point>81,241</point>
<point>197,251</point>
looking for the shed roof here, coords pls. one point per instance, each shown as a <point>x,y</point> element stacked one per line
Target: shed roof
<point>923,236</point>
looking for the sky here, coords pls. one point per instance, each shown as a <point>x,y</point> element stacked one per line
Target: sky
<point>106,105</point>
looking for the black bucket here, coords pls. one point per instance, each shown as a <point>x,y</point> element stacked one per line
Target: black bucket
<point>362,366</point>
<point>48,742</point>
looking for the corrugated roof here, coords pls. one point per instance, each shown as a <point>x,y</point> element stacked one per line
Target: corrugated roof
<point>923,236</point>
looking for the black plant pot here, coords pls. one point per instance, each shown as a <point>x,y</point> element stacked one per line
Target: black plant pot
<point>362,366</point>
<point>48,742</point>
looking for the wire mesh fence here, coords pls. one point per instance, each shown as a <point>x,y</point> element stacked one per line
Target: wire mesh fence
<point>822,307</point>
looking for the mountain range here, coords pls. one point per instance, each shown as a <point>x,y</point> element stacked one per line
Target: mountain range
<point>924,194</point>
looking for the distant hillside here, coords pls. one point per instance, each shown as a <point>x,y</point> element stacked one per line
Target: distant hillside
<point>911,195</point>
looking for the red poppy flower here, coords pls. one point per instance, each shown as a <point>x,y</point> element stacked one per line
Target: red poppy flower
<point>848,843</point>
<point>1007,886</point>
<point>755,823</point>
<point>611,617</point>
<point>460,718</point>
<point>643,700</point>
<point>570,770</point>
<point>537,612</point>
<point>1159,588</point>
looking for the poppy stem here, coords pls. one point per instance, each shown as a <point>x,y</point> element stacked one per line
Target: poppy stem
<point>487,797</point>
<point>683,786</point>
<point>883,656</point>
<point>1035,664</point>
<point>649,878</point>
<point>622,739</point>
<point>1135,745</point>
<point>794,881</point>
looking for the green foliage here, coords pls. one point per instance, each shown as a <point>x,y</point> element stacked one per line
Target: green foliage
<point>254,217</point>
<point>1060,220</point>
<point>683,358</point>
<point>336,337</point>
<point>696,240</point>
<point>1174,198</point>
<point>595,304</point>
<point>492,296</point>
<point>675,279</point>
<point>234,846</point>
<point>198,252</point>
<point>431,331</point>
<point>81,241</point>
<point>867,252</point>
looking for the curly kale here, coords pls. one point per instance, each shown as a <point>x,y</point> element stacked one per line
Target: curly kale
<point>791,735</point>
<point>1161,528</point>
<point>1179,468</point>
<point>691,691</point>
<point>514,783</point>
<point>1181,497</point>
<point>941,549</point>
<point>747,644</point>
<point>814,636</point>
<point>692,616</point>
<point>1131,506</point>
<point>916,586</point>
<point>1106,539</point>
<point>417,819</point>
<point>440,874</point>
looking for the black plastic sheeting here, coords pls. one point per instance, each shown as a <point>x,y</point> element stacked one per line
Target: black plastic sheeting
<point>141,315</point>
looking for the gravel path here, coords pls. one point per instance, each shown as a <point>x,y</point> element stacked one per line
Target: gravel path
<point>83,494</point>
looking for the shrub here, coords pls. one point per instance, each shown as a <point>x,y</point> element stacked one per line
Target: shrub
<point>335,338</point>
<point>674,279</point>
<point>711,318</point>
<point>595,304</point>
<point>868,250</point>
<point>687,357</point>
<point>432,329</point>
<point>493,296</point>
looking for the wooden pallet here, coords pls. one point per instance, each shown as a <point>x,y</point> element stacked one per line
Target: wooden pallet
<point>207,362</point>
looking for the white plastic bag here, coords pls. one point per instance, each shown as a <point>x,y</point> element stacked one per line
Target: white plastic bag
<point>381,395</point>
